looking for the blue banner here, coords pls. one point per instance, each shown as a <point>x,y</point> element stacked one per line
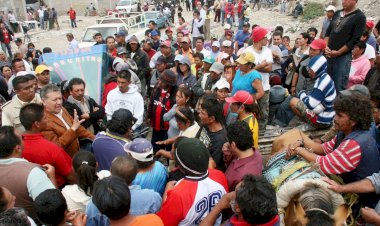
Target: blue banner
<point>89,64</point>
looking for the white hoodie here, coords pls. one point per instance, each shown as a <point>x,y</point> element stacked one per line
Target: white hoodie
<point>130,100</point>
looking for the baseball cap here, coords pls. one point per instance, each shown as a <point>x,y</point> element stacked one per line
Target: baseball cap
<point>121,66</point>
<point>241,96</point>
<point>259,33</point>
<point>246,24</point>
<point>370,24</point>
<point>169,29</point>
<point>216,43</point>
<point>245,58</point>
<point>178,58</point>
<point>140,149</point>
<point>227,43</point>
<point>121,50</point>
<point>227,27</point>
<point>223,55</point>
<point>166,43</point>
<point>121,33</point>
<point>221,84</point>
<point>41,68</point>
<point>149,41</point>
<point>186,39</point>
<point>153,33</point>
<point>217,67</point>
<point>362,89</point>
<point>209,60</point>
<point>318,44</point>
<point>18,40</point>
<point>330,8</point>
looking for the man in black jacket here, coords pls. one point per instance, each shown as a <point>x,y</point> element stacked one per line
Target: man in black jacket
<point>141,59</point>
<point>85,106</point>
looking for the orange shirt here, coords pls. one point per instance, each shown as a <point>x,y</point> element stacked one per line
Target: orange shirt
<point>148,219</point>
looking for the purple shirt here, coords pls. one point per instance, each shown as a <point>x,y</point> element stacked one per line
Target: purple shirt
<point>241,167</point>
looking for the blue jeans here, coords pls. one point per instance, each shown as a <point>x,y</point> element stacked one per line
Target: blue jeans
<point>339,68</point>
<point>7,47</point>
<point>73,23</point>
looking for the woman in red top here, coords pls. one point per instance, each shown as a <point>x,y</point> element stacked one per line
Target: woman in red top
<point>161,101</point>
<point>6,36</point>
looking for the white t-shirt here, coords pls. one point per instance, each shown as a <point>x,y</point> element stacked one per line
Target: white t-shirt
<point>370,52</point>
<point>204,51</point>
<point>264,55</point>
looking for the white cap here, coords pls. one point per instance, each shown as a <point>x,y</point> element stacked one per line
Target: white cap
<point>223,55</point>
<point>221,84</point>
<point>330,8</point>
<point>227,43</point>
<point>216,43</point>
<point>227,27</point>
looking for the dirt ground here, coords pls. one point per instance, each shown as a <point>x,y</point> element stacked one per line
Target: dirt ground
<point>269,18</point>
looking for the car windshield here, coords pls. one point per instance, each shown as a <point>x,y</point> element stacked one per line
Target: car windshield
<point>151,15</point>
<point>124,3</point>
<point>105,31</point>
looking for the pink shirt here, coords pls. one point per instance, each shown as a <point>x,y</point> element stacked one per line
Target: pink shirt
<point>359,70</point>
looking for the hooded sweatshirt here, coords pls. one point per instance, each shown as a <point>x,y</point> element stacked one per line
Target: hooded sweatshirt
<point>130,100</point>
<point>321,98</point>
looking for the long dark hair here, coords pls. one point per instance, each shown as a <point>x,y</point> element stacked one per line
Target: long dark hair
<point>84,164</point>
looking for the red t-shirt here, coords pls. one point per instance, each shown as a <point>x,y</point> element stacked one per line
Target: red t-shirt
<point>72,14</point>
<point>156,124</point>
<point>150,53</point>
<point>107,88</point>
<point>7,39</point>
<point>41,151</point>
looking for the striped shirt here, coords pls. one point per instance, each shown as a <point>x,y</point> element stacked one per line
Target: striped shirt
<point>320,99</point>
<point>341,160</point>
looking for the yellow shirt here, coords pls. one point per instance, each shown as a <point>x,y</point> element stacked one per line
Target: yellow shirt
<point>254,126</point>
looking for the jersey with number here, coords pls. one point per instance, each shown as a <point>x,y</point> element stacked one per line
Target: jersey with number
<point>189,202</point>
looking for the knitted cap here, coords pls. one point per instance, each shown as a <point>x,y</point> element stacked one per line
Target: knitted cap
<point>169,77</point>
<point>259,33</point>
<point>192,156</point>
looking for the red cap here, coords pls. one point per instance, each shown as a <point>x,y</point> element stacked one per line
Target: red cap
<point>228,32</point>
<point>240,96</point>
<point>168,29</point>
<point>259,33</point>
<point>370,24</point>
<point>318,44</point>
<point>166,43</point>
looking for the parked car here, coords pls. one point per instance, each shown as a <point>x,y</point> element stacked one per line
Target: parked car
<point>104,29</point>
<point>127,5</point>
<point>157,17</point>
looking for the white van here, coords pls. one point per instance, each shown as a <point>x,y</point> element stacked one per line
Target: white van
<point>127,5</point>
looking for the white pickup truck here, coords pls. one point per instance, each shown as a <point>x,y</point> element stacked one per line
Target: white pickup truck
<point>133,24</point>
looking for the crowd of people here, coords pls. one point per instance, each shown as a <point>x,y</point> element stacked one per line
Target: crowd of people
<point>66,158</point>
